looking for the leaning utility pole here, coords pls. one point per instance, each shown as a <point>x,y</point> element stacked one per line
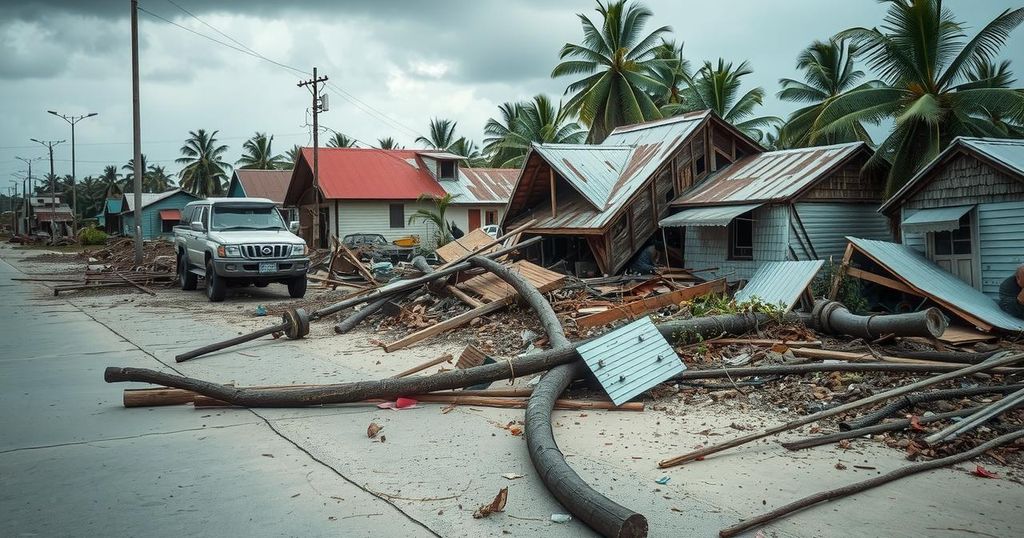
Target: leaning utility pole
<point>136,132</point>
<point>314,84</point>
<point>48,144</point>
<point>72,120</point>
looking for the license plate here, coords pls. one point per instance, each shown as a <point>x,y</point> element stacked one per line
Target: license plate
<point>268,267</point>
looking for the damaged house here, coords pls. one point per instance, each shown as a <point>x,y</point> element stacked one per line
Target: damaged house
<point>737,205</point>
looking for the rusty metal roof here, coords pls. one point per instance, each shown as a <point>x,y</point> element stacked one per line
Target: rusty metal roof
<point>271,184</point>
<point>1005,152</point>
<point>769,176</point>
<point>631,359</point>
<point>780,283</point>
<point>481,185</point>
<point>706,216</point>
<point>593,170</point>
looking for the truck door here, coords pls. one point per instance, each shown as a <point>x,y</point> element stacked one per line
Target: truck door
<point>196,242</point>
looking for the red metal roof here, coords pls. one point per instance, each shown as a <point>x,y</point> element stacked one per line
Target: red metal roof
<point>57,216</point>
<point>270,184</point>
<point>369,174</point>
<point>170,214</point>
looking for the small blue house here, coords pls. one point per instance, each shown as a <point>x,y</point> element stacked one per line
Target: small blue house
<point>161,211</point>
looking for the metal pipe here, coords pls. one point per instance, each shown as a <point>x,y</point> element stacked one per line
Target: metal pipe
<point>217,346</point>
<point>834,318</point>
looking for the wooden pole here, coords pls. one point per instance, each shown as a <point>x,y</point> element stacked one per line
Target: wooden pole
<point>447,357</point>
<point>814,417</point>
<point>479,401</point>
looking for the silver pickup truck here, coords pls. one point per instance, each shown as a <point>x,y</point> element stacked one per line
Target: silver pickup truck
<point>236,242</point>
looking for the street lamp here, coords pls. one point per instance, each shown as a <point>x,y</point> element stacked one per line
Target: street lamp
<point>72,120</point>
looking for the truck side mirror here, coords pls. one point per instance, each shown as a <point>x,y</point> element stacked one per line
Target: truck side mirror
<point>293,226</point>
<point>197,226</point>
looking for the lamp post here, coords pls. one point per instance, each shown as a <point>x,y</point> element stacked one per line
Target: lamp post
<point>72,120</point>
<point>48,144</point>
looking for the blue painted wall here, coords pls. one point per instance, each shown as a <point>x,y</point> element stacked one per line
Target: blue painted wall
<point>151,215</point>
<point>826,225</point>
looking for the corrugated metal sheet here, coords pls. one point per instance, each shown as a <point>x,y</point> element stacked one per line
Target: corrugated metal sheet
<point>1001,234</point>
<point>818,230</point>
<point>706,216</point>
<point>1009,153</point>
<point>708,246</point>
<point>270,184</point>
<point>482,185</point>
<point>780,283</point>
<point>631,359</point>
<point>940,219</point>
<point>591,170</point>
<point>924,275</point>
<point>149,198</point>
<point>368,174</point>
<point>770,176</point>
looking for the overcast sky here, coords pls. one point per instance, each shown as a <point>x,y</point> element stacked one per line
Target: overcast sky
<point>393,65</point>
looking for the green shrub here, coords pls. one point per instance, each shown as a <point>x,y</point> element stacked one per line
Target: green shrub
<point>92,236</point>
<point>849,292</point>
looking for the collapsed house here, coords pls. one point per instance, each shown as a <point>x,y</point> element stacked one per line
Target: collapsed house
<point>738,205</point>
<point>375,191</point>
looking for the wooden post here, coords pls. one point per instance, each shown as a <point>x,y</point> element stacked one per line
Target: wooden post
<point>554,209</point>
<point>837,278</point>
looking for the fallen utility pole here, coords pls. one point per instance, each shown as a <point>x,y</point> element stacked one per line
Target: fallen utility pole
<point>911,400</point>
<point>977,419</point>
<point>502,402</point>
<point>387,290</point>
<point>858,487</point>
<point>163,396</point>
<point>700,454</point>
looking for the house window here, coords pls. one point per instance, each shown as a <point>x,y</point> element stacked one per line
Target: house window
<point>491,217</point>
<point>397,215</point>
<point>701,165</point>
<point>446,170</point>
<point>741,237</point>
<point>670,194</point>
<point>167,226</point>
<point>955,242</point>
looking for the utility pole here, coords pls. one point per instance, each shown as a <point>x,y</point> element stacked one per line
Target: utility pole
<point>48,144</point>
<point>74,178</point>
<point>31,188</point>
<point>314,85</point>
<point>136,132</point>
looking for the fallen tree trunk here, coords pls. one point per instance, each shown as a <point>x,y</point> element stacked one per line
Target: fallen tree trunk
<point>911,400</point>
<point>156,397</point>
<point>857,487</point>
<point>893,425</point>
<point>478,401</point>
<point>599,512</point>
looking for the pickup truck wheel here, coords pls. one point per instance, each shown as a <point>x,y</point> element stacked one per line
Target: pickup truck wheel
<point>216,287</point>
<point>187,279</point>
<point>297,287</point>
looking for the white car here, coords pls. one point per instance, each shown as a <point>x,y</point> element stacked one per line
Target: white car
<point>491,230</point>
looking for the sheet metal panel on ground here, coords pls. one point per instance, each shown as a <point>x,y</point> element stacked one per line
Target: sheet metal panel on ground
<point>921,273</point>
<point>780,283</point>
<point>631,359</point>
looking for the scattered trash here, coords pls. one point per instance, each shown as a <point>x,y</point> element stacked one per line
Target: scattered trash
<point>561,518</point>
<point>261,310</point>
<point>373,429</point>
<point>984,473</point>
<point>497,505</point>
<point>663,480</point>
<point>399,404</point>
<point>511,476</point>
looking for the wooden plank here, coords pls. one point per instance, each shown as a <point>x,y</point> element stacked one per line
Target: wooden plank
<point>648,304</point>
<point>838,277</point>
<point>447,357</point>
<point>956,335</point>
<point>450,323</point>
<point>363,271</point>
<point>511,236</point>
<point>476,241</point>
<point>490,288</point>
<point>881,280</point>
<point>142,288</point>
<point>462,296</point>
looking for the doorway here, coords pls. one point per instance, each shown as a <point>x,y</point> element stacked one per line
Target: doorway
<point>474,219</point>
<point>956,251</point>
<point>325,231</point>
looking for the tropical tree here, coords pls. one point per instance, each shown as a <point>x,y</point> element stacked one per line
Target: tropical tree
<point>717,87</point>
<point>128,183</point>
<point>258,153</point>
<point>987,75</point>
<point>828,72</point>
<point>111,181</point>
<point>387,143</point>
<point>617,61</point>
<point>536,121</point>
<point>672,72</point>
<point>292,157</point>
<point>465,147</point>
<point>442,135</point>
<point>205,171</point>
<point>436,216</point>
<point>90,195</point>
<point>923,56</point>
<point>339,140</point>
<point>157,179</point>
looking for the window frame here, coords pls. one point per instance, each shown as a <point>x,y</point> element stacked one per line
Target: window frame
<point>488,214</point>
<point>748,220</point>
<point>454,168</point>
<point>401,215</point>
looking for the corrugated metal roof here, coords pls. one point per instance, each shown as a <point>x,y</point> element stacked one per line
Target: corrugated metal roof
<point>631,359</point>
<point>170,214</point>
<point>271,184</point>
<point>148,198</point>
<point>482,185</point>
<point>940,219</point>
<point>1009,153</point>
<point>438,154</point>
<point>769,176</point>
<point>706,216</point>
<point>59,215</point>
<point>780,283</point>
<point>592,170</point>
<point>928,277</point>
<point>113,205</point>
<point>369,174</point>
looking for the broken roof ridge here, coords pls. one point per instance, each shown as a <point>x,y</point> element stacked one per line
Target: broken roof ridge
<point>582,146</point>
<point>688,116</point>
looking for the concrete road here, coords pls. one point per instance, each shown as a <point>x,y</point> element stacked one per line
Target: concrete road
<point>73,461</point>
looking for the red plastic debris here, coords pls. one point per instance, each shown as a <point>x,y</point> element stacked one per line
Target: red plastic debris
<point>984,473</point>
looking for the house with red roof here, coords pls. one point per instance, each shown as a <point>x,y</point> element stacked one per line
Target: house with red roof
<point>269,184</point>
<point>365,190</point>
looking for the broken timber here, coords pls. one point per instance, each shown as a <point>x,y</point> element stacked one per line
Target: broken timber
<point>649,304</point>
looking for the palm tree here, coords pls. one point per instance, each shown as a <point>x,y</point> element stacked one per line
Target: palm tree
<point>987,75</point>
<point>536,121</point>
<point>921,55</point>
<point>828,72</point>
<point>111,181</point>
<point>465,147</point>
<point>128,184</point>
<point>717,88</point>
<point>292,157</point>
<point>339,140</point>
<point>157,179</point>
<point>436,216</point>
<point>671,72</point>
<point>387,143</point>
<point>257,153</point>
<point>442,135</point>
<point>205,171</point>
<point>90,195</point>
<point>617,62</point>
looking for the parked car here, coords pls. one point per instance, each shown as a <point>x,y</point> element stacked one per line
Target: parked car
<point>375,247</point>
<point>234,242</point>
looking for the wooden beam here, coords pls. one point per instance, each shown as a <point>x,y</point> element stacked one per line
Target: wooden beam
<point>447,357</point>
<point>881,280</point>
<point>554,208</point>
<point>445,325</point>
<point>643,306</point>
<point>838,276</point>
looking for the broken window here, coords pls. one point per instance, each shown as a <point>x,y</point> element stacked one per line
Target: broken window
<point>955,242</point>
<point>741,237</point>
<point>446,170</point>
<point>397,215</point>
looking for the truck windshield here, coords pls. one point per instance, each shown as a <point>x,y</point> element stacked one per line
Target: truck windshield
<point>246,218</point>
